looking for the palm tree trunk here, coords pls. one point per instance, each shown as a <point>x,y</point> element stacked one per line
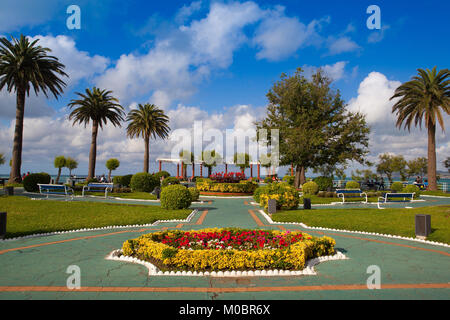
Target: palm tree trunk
<point>16,162</point>
<point>432,184</point>
<point>59,174</point>
<point>146,154</point>
<point>93,151</point>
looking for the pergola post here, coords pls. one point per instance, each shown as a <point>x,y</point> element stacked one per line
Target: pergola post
<point>226,168</point>
<point>160,165</point>
<point>182,169</point>
<point>193,169</point>
<point>201,169</point>
<point>251,171</point>
<point>259,169</point>
<point>178,170</point>
<point>292,169</point>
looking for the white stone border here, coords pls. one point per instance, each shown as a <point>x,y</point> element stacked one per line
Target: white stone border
<point>266,216</point>
<point>154,271</point>
<point>226,197</point>
<point>188,219</point>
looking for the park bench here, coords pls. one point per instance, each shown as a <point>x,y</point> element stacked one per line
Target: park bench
<point>399,196</point>
<point>98,187</point>
<point>351,193</point>
<point>57,189</point>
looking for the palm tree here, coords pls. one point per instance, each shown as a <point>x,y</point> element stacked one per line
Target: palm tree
<point>25,65</point>
<point>100,107</point>
<point>60,162</point>
<point>71,164</point>
<point>147,121</point>
<point>424,98</point>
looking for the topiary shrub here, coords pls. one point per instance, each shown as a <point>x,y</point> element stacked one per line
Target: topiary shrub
<point>286,196</point>
<point>30,182</point>
<point>268,180</point>
<point>175,197</point>
<point>126,180</point>
<point>170,181</point>
<point>410,188</point>
<point>352,185</point>
<point>397,186</point>
<point>324,183</point>
<point>143,182</point>
<point>117,180</point>
<point>195,194</point>
<point>258,192</point>
<point>310,188</point>
<point>160,174</point>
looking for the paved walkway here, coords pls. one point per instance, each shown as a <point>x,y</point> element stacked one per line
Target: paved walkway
<point>36,268</point>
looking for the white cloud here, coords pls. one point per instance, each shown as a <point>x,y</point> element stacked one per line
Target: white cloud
<point>377,35</point>
<point>334,71</point>
<point>341,45</point>
<point>187,11</point>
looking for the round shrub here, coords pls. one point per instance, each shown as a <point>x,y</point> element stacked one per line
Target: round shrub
<point>268,180</point>
<point>175,197</point>
<point>160,174</point>
<point>324,183</point>
<point>410,188</point>
<point>143,182</point>
<point>258,192</point>
<point>125,181</point>
<point>397,186</point>
<point>30,182</point>
<point>195,194</point>
<point>117,179</point>
<point>170,181</point>
<point>310,188</point>
<point>352,185</point>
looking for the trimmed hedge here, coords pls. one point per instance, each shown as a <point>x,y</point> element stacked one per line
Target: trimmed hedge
<point>124,181</point>
<point>310,188</point>
<point>30,182</point>
<point>143,182</point>
<point>352,185</point>
<point>175,197</point>
<point>195,194</point>
<point>170,181</point>
<point>397,186</point>
<point>244,186</point>
<point>324,183</point>
<point>411,188</point>
<point>160,174</point>
<point>286,196</point>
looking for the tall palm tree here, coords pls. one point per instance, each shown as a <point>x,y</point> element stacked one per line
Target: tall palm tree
<point>25,65</point>
<point>147,121</point>
<point>100,107</point>
<point>425,97</point>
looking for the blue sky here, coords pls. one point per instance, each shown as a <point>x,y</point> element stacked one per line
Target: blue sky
<point>217,60</point>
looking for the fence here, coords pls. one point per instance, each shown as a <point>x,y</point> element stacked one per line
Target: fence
<point>442,186</point>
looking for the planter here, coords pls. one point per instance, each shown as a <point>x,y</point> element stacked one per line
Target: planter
<point>237,194</point>
<point>2,225</point>
<point>9,191</point>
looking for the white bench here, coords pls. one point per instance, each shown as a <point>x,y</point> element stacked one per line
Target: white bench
<point>98,187</point>
<point>355,192</point>
<point>57,189</point>
<point>409,196</point>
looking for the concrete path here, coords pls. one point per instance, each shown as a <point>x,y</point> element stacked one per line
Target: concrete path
<point>36,268</point>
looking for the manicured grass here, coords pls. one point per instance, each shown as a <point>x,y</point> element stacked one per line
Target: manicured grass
<point>124,195</point>
<point>435,193</point>
<point>388,221</point>
<point>26,216</point>
<point>323,200</point>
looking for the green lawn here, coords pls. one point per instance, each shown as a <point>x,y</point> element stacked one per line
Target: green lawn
<point>124,195</point>
<point>388,221</point>
<point>323,200</point>
<point>435,193</point>
<point>26,216</point>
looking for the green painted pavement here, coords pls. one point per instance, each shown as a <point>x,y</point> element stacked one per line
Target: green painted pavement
<point>46,265</point>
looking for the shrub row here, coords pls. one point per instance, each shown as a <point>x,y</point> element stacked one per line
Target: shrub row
<point>243,186</point>
<point>286,196</point>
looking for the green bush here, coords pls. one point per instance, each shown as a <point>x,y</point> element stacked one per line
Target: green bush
<point>352,185</point>
<point>258,192</point>
<point>30,182</point>
<point>170,181</point>
<point>289,179</point>
<point>397,186</point>
<point>175,197</point>
<point>324,183</point>
<point>410,188</point>
<point>160,174</point>
<point>310,187</point>
<point>268,180</point>
<point>330,194</point>
<point>143,182</point>
<point>321,194</point>
<point>286,196</point>
<point>195,194</point>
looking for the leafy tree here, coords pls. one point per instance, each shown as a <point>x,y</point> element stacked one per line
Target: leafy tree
<point>210,159</point>
<point>365,174</point>
<point>315,128</point>
<point>71,164</point>
<point>60,162</point>
<point>148,121</point>
<point>112,164</point>
<point>389,164</point>
<point>242,160</point>
<point>424,98</point>
<point>98,106</point>
<point>25,66</point>
<point>417,167</point>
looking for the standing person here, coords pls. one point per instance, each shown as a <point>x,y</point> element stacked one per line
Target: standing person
<point>382,184</point>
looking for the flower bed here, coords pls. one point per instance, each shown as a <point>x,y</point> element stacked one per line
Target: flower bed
<point>244,187</point>
<point>228,249</point>
<point>229,177</point>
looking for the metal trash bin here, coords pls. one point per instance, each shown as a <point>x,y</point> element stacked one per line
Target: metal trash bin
<point>2,225</point>
<point>272,206</point>
<point>307,203</point>
<point>157,192</point>
<point>423,225</point>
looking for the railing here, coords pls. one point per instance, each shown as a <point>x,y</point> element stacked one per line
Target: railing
<point>443,186</point>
